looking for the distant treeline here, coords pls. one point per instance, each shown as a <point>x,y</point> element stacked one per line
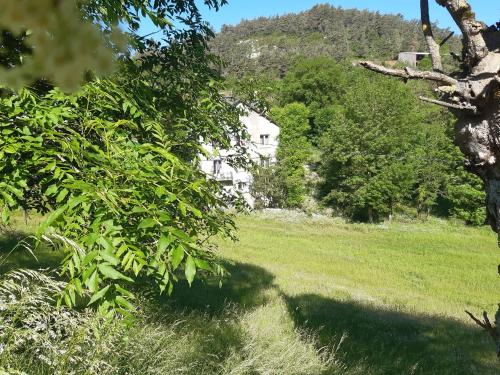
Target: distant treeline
<point>270,45</point>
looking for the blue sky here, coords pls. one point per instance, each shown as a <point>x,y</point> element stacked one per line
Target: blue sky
<point>237,10</point>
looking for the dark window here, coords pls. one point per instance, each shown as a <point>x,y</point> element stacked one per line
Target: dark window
<point>264,139</point>
<point>265,161</point>
<point>217,165</point>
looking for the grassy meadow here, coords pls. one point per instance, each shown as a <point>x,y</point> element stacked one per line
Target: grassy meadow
<point>314,296</point>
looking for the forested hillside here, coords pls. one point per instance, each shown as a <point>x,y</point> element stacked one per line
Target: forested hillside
<point>269,45</point>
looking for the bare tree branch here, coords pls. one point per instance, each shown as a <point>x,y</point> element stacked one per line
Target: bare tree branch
<point>446,39</point>
<point>409,73</point>
<point>429,36</point>
<point>474,43</point>
<point>466,107</point>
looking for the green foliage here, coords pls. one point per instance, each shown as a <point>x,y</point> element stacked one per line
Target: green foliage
<point>114,166</point>
<point>365,162</point>
<point>293,150</point>
<point>120,203</point>
<point>257,93</point>
<point>467,197</point>
<point>314,82</point>
<point>380,149</point>
<point>268,188</point>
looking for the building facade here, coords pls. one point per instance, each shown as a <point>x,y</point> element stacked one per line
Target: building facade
<point>261,147</point>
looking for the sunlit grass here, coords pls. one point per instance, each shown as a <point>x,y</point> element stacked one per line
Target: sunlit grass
<point>424,268</point>
<point>399,290</point>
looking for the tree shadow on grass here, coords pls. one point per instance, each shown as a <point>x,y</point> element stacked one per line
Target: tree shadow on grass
<point>244,289</point>
<point>381,342</point>
<point>392,342</point>
<point>13,256</point>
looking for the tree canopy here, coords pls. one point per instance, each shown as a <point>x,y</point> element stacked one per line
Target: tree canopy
<point>113,167</point>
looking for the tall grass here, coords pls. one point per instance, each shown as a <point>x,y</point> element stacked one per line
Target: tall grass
<point>38,338</point>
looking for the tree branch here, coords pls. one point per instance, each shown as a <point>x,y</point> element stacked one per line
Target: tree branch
<point>474,44</point>
<point>464,107</point>
<point>409,73</point>
<point>429,36</point>
<point>446,39</point>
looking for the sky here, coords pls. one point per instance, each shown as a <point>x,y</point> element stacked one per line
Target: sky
<point>487,11</point>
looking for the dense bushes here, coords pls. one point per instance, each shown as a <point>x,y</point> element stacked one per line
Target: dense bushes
<point>293,150</point>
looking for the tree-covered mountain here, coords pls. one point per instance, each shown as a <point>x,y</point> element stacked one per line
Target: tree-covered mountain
<point>270,45</point>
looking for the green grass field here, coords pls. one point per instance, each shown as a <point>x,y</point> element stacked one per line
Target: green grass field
<point>319,296</point>
<point>398,291</point>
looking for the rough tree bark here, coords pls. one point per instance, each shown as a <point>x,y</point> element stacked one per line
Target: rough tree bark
<point>473,95</point>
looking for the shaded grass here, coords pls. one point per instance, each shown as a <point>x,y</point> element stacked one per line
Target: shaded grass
<point>14,255</point>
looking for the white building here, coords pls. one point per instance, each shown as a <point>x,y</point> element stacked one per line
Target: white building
<point>262,150</point>
<point>411,58</point>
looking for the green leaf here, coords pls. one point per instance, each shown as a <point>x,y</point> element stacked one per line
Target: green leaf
<point>180,234</point>
<point>98,295</point>
<point>5,215</point>
<point>52,189</point>
<point>109,257</point>
<point>190,269</point>
<point>147,223</point>
<point>53,216</point>
<point>93,282</point>
<point>124,303</point>
<point>203,264</point>
<point>89,257</point>
<point>110,273</point>
<point>125,292</point>
<point>163,243</point>
<point>177,256</point>
<point>62,194</point>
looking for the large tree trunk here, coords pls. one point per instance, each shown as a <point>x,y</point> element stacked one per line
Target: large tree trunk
<point>473,96</point>
<point>478,136</point>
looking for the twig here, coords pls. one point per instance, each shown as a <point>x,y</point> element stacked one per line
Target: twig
<point>447,38</point>
<point>485,324</point>
<point>464,107</point>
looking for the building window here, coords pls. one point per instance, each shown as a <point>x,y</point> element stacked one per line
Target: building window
<point>265,161</point>
<point>264,139</point>
<point>217,166</point>
<point>241,186</point>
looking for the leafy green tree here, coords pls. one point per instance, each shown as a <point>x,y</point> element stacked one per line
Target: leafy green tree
<point>293,151</point>
<point>348,113</point>
<point>317,83</point>
<point>114,166</point>
<point>365,162</point>
<point>268,188</point>
<point>314,82</point>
